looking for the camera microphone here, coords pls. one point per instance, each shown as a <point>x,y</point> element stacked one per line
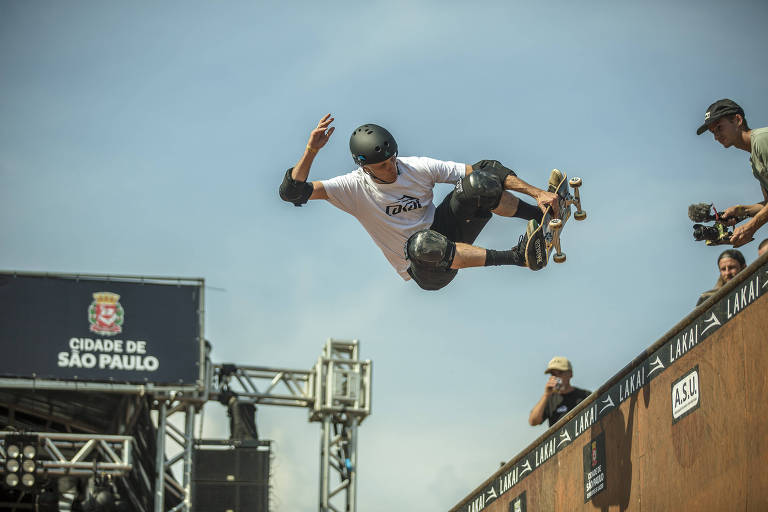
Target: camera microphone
<point>701,212</point>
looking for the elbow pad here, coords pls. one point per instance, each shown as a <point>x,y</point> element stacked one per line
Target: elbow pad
<point>494,167</point>
<point>296,192</point>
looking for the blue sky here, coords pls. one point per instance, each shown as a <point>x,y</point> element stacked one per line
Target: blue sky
<point>149,138</point>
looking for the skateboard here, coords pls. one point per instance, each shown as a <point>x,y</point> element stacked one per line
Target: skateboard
<point>551,225</point>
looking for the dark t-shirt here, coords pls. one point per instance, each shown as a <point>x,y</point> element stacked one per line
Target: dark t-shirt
<point>558,405</point>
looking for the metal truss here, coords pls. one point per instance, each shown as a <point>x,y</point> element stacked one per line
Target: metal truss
<point>80,454</point>
<point>183,442</point>
<point>343,401</point>
<point>96,387</point>
<point>266,386</point>
<point>342,382</point>
<point>338,456</point>
<point>337,392</point>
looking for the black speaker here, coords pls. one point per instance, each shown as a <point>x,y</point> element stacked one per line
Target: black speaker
<point>232,479</point>
<point>229,497</point>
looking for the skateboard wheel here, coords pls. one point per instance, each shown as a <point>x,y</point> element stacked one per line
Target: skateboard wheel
<point>580,215</point>
<point>559,258</point>
<point>575,182</point>
<point>555,224</point>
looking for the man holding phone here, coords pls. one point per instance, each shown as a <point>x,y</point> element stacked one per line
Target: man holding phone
<point>559,396</point>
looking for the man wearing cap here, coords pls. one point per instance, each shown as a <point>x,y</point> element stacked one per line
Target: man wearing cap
<point>559,396</point>
<point>392,196</point>
<point>726,120</point>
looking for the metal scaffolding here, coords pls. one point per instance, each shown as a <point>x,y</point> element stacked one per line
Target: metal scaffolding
<point>169,434</point>
<point>80,454</point>
<point>336,392</point>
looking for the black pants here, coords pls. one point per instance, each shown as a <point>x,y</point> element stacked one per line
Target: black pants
<point>457,230</point>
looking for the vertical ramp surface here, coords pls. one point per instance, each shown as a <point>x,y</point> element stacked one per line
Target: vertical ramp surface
<point>682,427</point>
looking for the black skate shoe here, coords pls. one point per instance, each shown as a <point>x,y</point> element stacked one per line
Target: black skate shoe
<point>533,246</point>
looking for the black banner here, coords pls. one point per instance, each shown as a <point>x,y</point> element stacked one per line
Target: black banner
<point>518,504</point>
<point>594,467</point>
<point>125,331</point>
<point>674,348</point>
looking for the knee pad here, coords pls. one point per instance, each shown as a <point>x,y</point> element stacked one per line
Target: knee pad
<point>428,248</point>
<point>476,195</point>
<point>494,167</point>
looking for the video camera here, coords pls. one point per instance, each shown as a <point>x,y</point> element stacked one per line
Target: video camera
<point>717,234</point>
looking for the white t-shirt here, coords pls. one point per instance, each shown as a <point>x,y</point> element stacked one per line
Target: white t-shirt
<point>393,212</point>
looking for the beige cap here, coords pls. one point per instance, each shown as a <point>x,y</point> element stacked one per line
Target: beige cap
<point>559,363</point>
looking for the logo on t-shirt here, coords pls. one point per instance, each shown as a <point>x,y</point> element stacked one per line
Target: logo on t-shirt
<point>404,204</point>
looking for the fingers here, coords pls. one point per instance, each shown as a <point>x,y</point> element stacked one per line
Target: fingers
<point>556,207</point>
<point>324,127</point>
<point>323,131</point>
<point>553,208</point>
<point>740,237</point>
<point>325,122</point>
<point>549,199</point>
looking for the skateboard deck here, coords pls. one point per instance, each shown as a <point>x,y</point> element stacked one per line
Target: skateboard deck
<point>552,224</point>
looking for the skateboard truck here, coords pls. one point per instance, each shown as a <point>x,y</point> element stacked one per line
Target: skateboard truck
<point>556,225</point>
<point>579,214</point>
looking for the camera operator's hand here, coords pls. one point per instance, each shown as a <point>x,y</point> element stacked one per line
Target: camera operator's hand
<point>743,234</point>
<point>732,216</point>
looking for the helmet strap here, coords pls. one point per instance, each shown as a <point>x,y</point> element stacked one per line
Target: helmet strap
<point>379,180</point>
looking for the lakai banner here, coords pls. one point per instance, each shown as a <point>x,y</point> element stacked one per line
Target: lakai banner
<point>122,330</point>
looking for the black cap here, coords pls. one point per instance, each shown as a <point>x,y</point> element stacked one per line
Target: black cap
<point>718,109</point>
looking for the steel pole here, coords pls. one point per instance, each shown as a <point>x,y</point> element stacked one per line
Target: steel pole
<point>160,459</point>
<point>188,440</point>
<point>352,489</point>
<point>325,464</point>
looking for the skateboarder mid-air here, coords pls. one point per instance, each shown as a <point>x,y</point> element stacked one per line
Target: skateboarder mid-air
<point>391,196</point>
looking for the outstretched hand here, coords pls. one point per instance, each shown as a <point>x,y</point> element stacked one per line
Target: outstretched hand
<point>320,135</point>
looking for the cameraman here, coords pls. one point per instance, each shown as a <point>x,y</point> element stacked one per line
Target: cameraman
<point>726,120</point>
<point>729,263</point>
<point>559,396</point>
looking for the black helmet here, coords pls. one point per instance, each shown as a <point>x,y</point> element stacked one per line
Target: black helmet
<point>371,144</point>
